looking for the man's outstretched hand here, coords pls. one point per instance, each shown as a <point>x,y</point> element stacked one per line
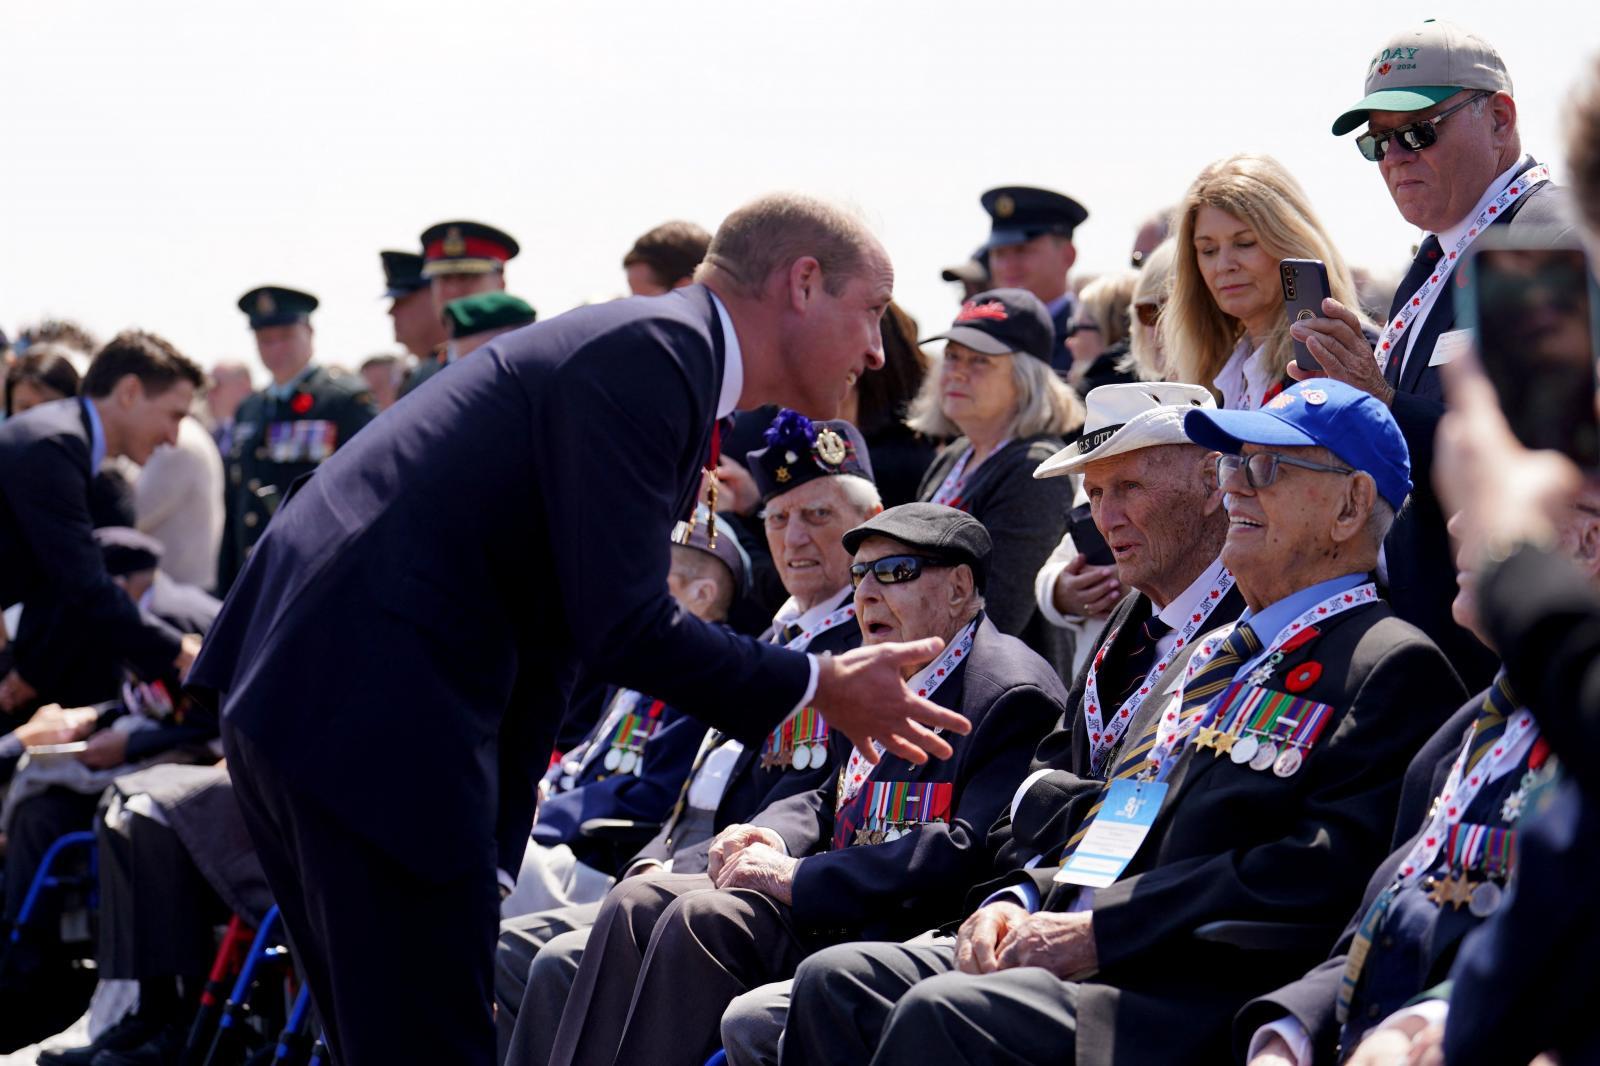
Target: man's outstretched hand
<point>862,693</point>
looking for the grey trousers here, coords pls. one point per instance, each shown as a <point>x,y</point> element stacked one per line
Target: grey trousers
<point>752,1026</point>
<point>550,980</point>
<point>907,1005</point>
<point>521,941</point>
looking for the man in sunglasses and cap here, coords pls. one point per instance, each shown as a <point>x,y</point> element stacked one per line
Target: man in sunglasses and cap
<point>1246,820</point>
<point>1442,126</point>
<point>875,852</point>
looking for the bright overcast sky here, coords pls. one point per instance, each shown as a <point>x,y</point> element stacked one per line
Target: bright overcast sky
<point>162,157</point>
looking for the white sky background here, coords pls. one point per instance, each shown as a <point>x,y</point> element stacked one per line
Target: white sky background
<point>159,158</point>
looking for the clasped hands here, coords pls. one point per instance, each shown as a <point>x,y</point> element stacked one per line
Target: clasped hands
<point>1003,936</point>
<point>748,856</point>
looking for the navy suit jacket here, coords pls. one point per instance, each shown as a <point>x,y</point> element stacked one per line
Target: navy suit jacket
<point>49,557</point>
<point>426,595</point>
<point>1422,572</point>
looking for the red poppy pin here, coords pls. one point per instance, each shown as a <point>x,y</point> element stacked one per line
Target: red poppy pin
<point>1303,677</point>
<point>301,403</point>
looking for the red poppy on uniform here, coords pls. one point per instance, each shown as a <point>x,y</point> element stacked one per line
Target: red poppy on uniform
<point>301,403</point>
<point>1303,677</point>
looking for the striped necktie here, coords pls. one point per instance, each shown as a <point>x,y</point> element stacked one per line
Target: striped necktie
<point>1212,678</point>
<point>1490,724</point>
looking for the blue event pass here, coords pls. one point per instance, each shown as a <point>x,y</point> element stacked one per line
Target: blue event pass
<point>1114,836</point>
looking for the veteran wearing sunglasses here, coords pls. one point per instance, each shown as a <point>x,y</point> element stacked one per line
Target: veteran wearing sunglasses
<point>878,852</point>
<point>1441,126</point>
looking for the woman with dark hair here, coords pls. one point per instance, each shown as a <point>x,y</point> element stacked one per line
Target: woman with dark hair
<point>878,406</point>
<point>44,374</point>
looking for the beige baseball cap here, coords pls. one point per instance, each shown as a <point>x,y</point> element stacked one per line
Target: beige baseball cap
<point>1422,67</point>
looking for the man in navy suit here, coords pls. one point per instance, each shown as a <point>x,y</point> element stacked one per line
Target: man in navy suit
<point>135,394</point>
<point>1442,127</point>
<point>422,604</point>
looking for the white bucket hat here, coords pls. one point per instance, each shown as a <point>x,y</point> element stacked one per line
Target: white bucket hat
<point>1125,418</point>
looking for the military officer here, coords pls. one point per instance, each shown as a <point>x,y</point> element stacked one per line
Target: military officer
<point>459,259</point>
<point>1030,247</point>
<point>417,327</point>
<point>287,428</point>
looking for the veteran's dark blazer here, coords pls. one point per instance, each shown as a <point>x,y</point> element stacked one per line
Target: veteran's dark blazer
<point>1231,843</point>
<point>894,889</point>
<point>49,557</point>
<point>428,592</point>
<point>1421,566</point>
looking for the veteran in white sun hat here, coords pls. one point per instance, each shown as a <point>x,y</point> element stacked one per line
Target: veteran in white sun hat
<point>1078,591</point>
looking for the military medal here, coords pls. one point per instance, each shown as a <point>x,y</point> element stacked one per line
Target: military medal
<point>1485,899</point>
<point>1288,763</point>
<point>888,810</point>
<point>630,759</point>
<point>1244,750</point>
<point>612,760</point>
<point>800,741</point>
<point>802,756</point>
<point>1265,757</point>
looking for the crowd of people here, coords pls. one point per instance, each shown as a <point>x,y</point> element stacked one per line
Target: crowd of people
<point>734,670</point>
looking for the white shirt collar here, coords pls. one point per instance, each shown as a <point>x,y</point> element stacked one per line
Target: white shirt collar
<point>1243,379</point>
<point>732,362</point>
<point>790,613</point>
<point>1178,611</point>
<point>1450,237</point>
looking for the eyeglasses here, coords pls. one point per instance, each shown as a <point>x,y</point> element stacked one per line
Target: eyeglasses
<point>1149,314</point>
<point>893,569</point>
<point>1261,468</point>
<point>1075,328</point>
<point>815,517</point>
<point>1414,136</point>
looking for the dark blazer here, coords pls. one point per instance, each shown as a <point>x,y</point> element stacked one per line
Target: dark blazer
<point>752,787</point>
<point>441,575</point>
<point>1525,981</point>
<point>1230,843</point>
<point>188,609</point>
<point>1056,802</point>
<point>48,555</point>
<point>1060,357</point>
<point>1025,518</point>
<point>1418,940</point>
<point>1421,566</point>
<point>892,890</point>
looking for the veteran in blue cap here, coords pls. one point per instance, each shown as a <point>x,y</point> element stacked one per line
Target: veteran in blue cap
<point>287,428</point>
<point>1030,247</point>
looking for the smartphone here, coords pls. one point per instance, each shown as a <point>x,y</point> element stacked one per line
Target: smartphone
<point>1305,286</point>
<point>1087,539</point>
<point>1531,305</point>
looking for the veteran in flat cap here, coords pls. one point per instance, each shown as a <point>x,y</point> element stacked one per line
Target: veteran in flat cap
<point>287,428</point>
<point>465,258</point>
<point>1030,247</point>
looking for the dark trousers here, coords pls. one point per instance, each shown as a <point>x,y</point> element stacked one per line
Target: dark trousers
<point>157,913</point>
<point>400,967</point>
<point>36,824</point>
<point>907,1005</point>
<point>522,940</point>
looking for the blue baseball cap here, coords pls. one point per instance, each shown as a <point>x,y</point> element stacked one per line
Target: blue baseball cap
<point>1320,412</point>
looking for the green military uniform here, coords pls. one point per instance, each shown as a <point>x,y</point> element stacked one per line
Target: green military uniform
<point>282,432</point>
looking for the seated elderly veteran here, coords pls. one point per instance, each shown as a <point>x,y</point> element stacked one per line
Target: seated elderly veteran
<point>876,852</point>
<point>1230,852</point>
<point>1466,794</point>
<point>633,763</point>
<point>815,482</point>
<point>56,794</point>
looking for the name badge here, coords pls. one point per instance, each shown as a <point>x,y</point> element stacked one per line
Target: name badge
<point>1116,834</point>
<point>1449,346</point>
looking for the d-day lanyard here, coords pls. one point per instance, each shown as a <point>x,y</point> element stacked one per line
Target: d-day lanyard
<point>1174,729</point>
<point>1396,326</point>
<point>1103,735</point>
<point>955,482</point>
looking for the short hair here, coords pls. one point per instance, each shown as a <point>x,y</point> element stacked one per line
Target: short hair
<point>60,331</point>
<point>1260,192</point>
<point>1583,147</point>
<point>48,366</point>
<point>1045,403</point>
<point>883,396</point>
<point>859,493</point>
<point>1108,301</point>
<point>769,234</point>
<point>151,359</point>
<point>696,564</point>
<point>672,250</point>
<point>1154,287</point>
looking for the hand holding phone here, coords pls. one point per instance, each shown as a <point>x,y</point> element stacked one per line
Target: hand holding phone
<point>1305,286</point>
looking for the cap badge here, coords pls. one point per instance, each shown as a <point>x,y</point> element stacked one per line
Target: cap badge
<point>1315,397</point>
<point>1282,400</point>
<point>455,246</point>
<point>782,475</point>
<point>830,447</point>
<point>1004,206</point>
<point>990,309</point>
<point>265,304</point>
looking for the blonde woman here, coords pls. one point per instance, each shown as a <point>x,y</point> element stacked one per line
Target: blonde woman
<point>1225,325</point>
<point>1150,295</point>
<point>1097,333</point>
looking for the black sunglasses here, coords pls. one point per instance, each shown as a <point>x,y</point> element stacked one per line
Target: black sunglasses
<point>1415,136</point>
<point>893,569</point>
<point>1075,328</point>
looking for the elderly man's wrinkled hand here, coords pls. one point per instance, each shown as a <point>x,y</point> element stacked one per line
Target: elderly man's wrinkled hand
<point>1061,943</point>
<point>1338,344</point>
<point>762,869</point>
<point>979,940</point>
<point>734,839</point>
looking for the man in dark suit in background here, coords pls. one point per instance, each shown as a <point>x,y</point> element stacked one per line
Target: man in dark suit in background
<point>876,852</point>
<point>135,394</point>
<point>1442,126</point>
<point>1265,795</point>
<point>1030,247</point>
<point>464,659</point>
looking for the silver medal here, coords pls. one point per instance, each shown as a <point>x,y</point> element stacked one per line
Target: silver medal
<point>1265,757</point>
<point>1485,899</point>
<point>630,759</point>
<point>612,760</point>
<point>1288,763</point>
<point>1244,749</point>
<point>893,833</point>
<point>802,756</point>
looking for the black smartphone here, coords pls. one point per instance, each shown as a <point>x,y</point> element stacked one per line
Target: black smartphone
<point>1305,286</point>
<point>1087,539</point>
<point>1531,305</point>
